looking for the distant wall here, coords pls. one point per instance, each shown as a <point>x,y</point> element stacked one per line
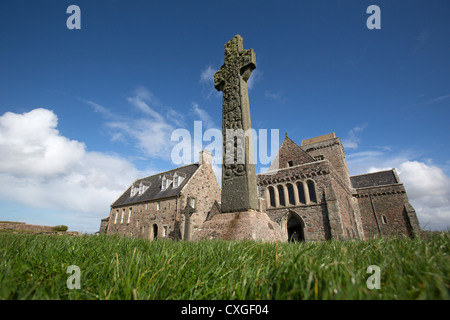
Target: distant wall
<point>24,226</point>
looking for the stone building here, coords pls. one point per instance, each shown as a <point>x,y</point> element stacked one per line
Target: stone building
<point>311,195</point>
<point>155,206</point>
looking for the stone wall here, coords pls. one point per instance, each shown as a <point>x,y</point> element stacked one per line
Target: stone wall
<point>146,218</point>
<point>203,186</point>
<point>162,217</point>
<point>333,151</point>
<point>386,211</point>
<point>313,214</point>
<point>24,226</point>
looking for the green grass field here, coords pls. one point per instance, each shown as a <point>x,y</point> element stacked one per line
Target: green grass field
<point>35,267</point>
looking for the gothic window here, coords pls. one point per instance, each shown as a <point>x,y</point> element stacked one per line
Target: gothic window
<point>272,197</point>
<point>383,219</point>
<point>117,215</point>
<point>123,214</point>
<point>312,191</point>
<point>301,193</point>
<point>158,205</point>
<point>281,196</point>
<point>291,194</point>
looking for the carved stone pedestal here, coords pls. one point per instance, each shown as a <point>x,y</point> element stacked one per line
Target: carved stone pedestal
<point>247,225</point>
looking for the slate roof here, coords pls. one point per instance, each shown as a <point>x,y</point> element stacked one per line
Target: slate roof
<point>154,190</point>
<point>374,179</point>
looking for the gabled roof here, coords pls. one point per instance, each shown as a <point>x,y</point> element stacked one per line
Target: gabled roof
<point>290,151</point>
<point>380,178</point>
<point>154,190</point>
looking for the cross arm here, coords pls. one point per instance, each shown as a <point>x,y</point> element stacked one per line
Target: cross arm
<point>248,63</point>
<point>219,79</point>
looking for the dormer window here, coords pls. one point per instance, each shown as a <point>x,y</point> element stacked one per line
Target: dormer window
<point>178,179</point>
<point>139,188</point>
<point>166,182</point>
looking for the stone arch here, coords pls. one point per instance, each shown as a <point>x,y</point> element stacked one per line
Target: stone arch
<point>295,227</point>
<point>154,231</point>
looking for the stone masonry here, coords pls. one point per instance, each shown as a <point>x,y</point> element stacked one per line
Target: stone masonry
<point>157,211</point>
<point>309,192</point>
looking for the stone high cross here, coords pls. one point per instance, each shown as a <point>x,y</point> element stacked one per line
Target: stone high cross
<point>238,170</point>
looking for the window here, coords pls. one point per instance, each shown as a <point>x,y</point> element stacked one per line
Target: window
<point>383,219</point>
<point>272,197</point>
<point>117,215</point>
<point>129,215</point>
<point>301,193</point>
<point>192,202</point>
<point>281,196</point>
<point>123,214</point>
<point>158,205</point>
<point>291,194</point>
<point>166,182</point>
<point>177,179</point>
<point>290,163</point>
<point>312,191</point>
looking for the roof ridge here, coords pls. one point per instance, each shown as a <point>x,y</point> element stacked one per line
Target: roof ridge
<point>191,164</point>
<point>363,174</point>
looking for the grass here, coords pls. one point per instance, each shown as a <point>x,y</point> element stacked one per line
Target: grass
<point>34,267</point>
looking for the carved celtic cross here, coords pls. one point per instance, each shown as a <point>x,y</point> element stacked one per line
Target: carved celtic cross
<point>238,170</point>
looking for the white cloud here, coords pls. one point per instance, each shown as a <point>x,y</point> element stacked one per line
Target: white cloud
<point>42,169</point>
<point>279,96</point>
<point>428,188</point>
<point>150,131</point>
<point>31,145</point>
<point>207,75</point>
<point>352,140</point>
<point>256,76</point>
<point>206,119</point>
<point>207,82</point>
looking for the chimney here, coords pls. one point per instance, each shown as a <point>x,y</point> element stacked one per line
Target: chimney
<point>205,158</point>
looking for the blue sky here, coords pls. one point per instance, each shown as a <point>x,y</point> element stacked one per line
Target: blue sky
<point>85,112</point>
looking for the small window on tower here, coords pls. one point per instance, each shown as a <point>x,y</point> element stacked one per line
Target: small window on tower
<point>290,163</point>
<point>384,219</point>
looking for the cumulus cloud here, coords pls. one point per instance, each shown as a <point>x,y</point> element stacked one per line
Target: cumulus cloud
<point>428,189</point>
<point>31,145</point>
<point>42,169</point>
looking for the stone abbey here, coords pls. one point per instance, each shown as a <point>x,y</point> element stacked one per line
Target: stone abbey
<point>307,191</point>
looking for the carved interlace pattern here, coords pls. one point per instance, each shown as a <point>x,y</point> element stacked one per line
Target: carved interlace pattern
<point>238,63</point>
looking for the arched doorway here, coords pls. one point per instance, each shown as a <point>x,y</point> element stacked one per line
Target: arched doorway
<point>155,231</point>
<point>295,228</point>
